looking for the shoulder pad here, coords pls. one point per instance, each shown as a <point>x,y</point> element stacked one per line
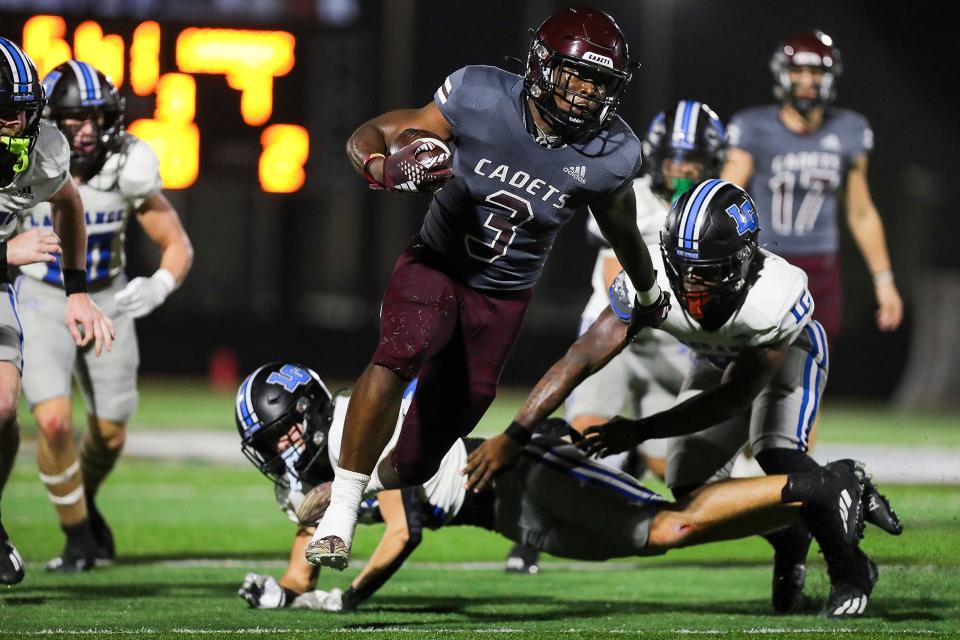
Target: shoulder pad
<point>139,171</point>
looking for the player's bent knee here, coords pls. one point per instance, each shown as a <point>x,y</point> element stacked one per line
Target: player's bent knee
<point>55,428</point>
<point>414,472</point>
<point>8,413</point>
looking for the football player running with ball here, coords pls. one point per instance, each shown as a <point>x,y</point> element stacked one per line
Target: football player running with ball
<point>531,152</point>
<point>759,371</point>
<point>556,499</point>
<point>35,168</point>
<point>118,178</point>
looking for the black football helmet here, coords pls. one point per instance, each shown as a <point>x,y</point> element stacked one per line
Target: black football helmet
<point>78,91</point>
<point>585,43</point>
<point>284,413</point>
<point>710,250</point>
<point>813,49</point>
<point>690,131</point>
<point>20,93</point>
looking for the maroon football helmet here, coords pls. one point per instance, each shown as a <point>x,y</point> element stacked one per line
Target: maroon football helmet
<point>812,49</point>
<point>577,69</point>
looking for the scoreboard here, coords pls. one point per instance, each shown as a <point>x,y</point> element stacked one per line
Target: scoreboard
<point>159,67</point>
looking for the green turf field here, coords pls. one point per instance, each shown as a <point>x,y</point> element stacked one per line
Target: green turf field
<point>191,404</point>
<point>187,534</point>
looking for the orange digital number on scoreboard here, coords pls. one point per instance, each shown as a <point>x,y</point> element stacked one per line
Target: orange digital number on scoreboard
<point>249,60</point>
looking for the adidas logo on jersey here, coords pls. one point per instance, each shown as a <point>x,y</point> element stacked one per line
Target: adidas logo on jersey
<point>830,142</point>
<point>26,193</point>
<point>578,173</point>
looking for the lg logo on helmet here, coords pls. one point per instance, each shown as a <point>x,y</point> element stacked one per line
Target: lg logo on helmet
<point>745,217</point>
<point>289,377</point>
<point>603,61</point>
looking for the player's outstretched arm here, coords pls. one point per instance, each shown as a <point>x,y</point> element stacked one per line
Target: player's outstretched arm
<point>595,348</point>
<point>162,224</point>
<point>738,167</point>
<point>743,380</point>
<point>369,145</point>
<point>69,224</point>
<point>400,509</point>
<point>867,229</point>
<point>616,216</point>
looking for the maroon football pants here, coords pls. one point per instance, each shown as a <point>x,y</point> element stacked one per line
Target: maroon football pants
<point>826,288</point>
<point>457,339</point>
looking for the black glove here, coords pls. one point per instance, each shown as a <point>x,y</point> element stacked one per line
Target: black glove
<point>651,315</point>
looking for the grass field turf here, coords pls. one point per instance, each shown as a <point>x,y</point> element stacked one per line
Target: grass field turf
<point>178,404</point>
<point>187,534</point>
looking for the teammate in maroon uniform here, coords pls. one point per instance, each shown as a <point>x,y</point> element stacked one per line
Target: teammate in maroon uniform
<point>798,159</point>
<point>532,151</point>
<point>803,161</point>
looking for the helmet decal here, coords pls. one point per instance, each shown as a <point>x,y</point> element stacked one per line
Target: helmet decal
<point>692,218</point>
<point>21,67</point>
<point>89,83</point>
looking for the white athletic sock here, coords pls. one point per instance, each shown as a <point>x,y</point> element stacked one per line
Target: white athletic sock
<point>346,494</point>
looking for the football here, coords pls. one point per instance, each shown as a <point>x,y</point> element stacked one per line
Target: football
<point>431,156</point>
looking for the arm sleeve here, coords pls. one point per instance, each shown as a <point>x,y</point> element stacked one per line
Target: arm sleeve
<point>863,141</point>
<point>411,507</point>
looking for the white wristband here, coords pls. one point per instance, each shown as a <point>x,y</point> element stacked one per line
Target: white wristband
<point>649,296</point>
<point>883,277</point>
<point>166,279</point>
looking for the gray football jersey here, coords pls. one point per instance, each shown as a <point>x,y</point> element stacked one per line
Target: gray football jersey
<point>798,180</point>
<point>497,219</point>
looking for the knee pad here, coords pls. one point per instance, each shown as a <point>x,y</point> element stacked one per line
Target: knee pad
<point>779,460</point>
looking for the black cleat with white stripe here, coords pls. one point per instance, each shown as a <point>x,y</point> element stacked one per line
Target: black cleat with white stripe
<point>877,509</point>
<point>849,596</point>
<point>11,564</point>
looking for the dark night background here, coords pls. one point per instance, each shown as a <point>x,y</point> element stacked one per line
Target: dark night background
<point>300,276</point>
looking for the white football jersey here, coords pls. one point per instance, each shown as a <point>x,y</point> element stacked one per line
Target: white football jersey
<point>48,170</point>
<point>444,492</point>
<point>119,188</point>
<point>652,213</point>
<point>776,308</point>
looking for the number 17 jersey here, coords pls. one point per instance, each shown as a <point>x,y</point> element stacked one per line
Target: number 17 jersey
<point>497,219</point>
<point>798,179</point>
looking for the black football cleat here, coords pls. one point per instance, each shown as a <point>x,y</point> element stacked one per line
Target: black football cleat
<point>849,594</point>
<point>877,509</point>
<point>106,551</point>
<point>80,551</point>
<point>841,500</point>
<point>11,564</point>
<point>523,559</point>
<point>790,548</point>
<point>73,560</point>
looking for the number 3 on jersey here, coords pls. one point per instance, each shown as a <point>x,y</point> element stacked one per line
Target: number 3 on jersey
<point>511,212</point>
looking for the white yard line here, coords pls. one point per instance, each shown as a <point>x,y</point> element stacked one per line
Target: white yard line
<point>887,464</point>
<point>419,631</point>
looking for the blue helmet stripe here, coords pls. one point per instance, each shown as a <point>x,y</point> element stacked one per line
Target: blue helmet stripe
<point>695,210</point>
<point>23,76</point>
<point>687,113</point>
<point>87,80</point>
